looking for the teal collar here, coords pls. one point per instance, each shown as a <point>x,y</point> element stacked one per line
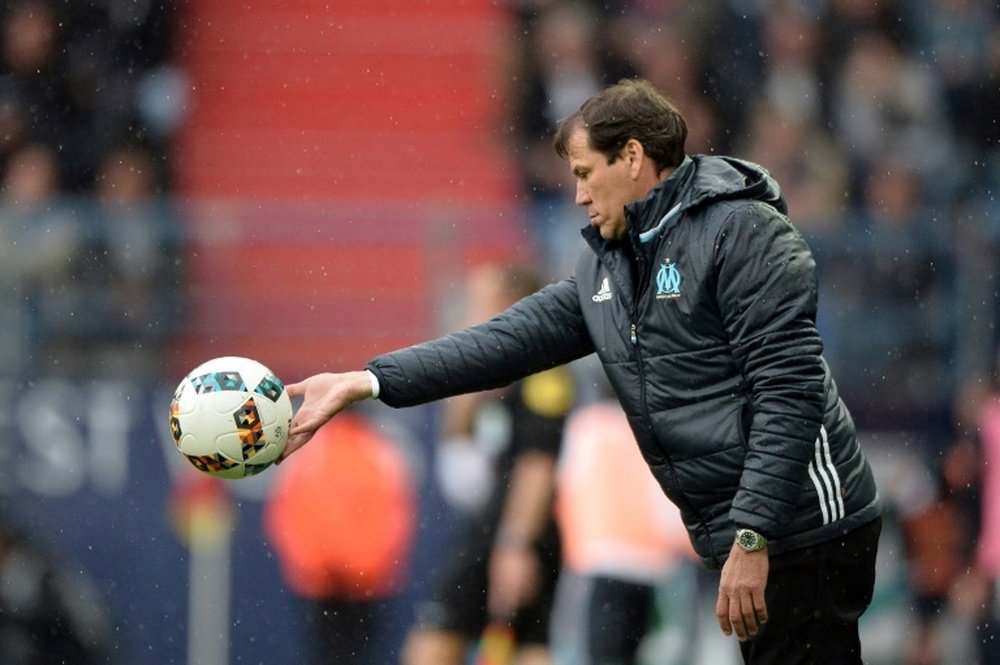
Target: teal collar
<point>646,236</point>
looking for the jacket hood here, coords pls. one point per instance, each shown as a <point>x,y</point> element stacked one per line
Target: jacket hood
<point>702,179</point>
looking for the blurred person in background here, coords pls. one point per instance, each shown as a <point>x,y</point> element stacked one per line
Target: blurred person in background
<point>40,242</point>
<point>91,75</point>
<point>786,128</point>
<point>884,102</point>
<point>960,40</point>
<point>563,60</point>
<point>847,21</point>
<point>72,75</point>
<point>699,298</point>
<point>495,466</point>
<point>791,82</point>
<point>627,560</point>
<point>341,521</point>
<point>976,591</point>
<point>13,120</point>
<point>669,55</point>
<point>731,61</point>
<point>49,614</point>
<point>86,75</point>
<point>894,291</point>
<point>136,254</point>
<point>808,163</point>
<point>32,68</point>
<point>120,75</point>
<point>938,530</point>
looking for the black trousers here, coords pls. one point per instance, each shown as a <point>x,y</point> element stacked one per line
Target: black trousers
<point>815,596</point>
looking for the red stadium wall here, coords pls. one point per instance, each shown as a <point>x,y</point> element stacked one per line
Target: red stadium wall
<point>341,166</point>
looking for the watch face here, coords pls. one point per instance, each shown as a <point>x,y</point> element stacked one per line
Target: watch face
<point>749,540</point>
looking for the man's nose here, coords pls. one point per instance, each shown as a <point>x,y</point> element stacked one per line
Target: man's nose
<point>582,195</point>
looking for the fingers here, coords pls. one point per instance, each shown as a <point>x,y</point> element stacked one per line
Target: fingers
<point>722,614</point>
<point>760,607</point>
<point>298,435</point>
<point>736,617</point>
<point>743,614</point>
<point>324,395</point>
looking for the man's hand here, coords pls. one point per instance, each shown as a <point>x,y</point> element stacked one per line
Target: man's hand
<point>325,395</point>
<point>741,607</point>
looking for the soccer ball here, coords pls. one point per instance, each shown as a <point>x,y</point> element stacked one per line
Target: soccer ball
<point>230,417</point>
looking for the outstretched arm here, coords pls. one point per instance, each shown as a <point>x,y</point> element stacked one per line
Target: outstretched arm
<point>538,332</point>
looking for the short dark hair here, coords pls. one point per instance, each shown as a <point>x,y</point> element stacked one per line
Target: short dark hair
<point>629,109</point>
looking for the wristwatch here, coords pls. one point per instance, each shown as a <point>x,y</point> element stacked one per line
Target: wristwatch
<point>749,540</point>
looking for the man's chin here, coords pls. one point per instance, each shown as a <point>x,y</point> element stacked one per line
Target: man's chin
<point>610,233</point>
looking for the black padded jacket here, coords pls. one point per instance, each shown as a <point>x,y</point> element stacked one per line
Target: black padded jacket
<point>704,321</point>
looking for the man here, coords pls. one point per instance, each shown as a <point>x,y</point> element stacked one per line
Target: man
<point>699,298</point>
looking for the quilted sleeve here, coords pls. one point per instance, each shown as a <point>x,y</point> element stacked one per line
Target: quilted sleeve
<point>539,332</point>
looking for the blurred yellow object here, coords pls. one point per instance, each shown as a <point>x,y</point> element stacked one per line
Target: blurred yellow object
<point>201,511</point>
<point>549,393</point>
<point>496,646</point>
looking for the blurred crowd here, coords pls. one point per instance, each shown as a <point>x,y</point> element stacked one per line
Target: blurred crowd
<point>89,243</point>
<point>878,118</point>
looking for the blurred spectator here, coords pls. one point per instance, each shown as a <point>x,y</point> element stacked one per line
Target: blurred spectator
<point>39,242</point>
<point>138,259</point>
<point>112,307</point>
<point>669,55</point>
<point>975,594</point>
<point>959,40</point>
<point>496,469</point>
<point>885,103</point>
<point>954,37</point>
<point>807,162</point>
<point>13,120</point>
<point>341,520</point>
<point>87,75</point>
<point>560,68</point>
<point>622,539</point>
<point>121,80</point>
<point>733,60</point>
<point>48,613</point>
<point>845,22</point>
<point>563,62</point>
<point>791,73</point>
<point>894,288</point>
<point>936,537</point>
<point>101,276</point>
<point>976,228</point>
<point>33,72</point>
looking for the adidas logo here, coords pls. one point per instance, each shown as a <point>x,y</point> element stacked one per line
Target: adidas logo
<point>604,293</point>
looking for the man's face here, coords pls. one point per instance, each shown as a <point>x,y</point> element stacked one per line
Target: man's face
<point>602,188</point>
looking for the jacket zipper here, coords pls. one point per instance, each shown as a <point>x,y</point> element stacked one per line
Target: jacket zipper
<point>637,352</point>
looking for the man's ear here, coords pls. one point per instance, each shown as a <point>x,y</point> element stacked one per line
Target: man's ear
<point>634,155</point>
